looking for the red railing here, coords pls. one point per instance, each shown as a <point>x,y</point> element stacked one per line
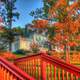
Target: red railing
<point>8,71</point>
<point>44,67</point>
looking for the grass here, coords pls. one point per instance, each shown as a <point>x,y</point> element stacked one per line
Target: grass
<point>19,55</point>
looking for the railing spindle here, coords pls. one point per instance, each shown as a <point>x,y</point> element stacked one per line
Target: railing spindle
<point>50,76</point>
<point>63,74</point>
<point>67,77</point>
<point>71,76</point>
<point>9,71</point>
<point>39,70</point>
<point>33,67</point>
<point>58,73</point>
<point>45,71</point>
<point>54,72</point>
<point>76,77</point>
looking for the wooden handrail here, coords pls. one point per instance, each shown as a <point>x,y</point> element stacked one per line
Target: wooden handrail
<point>69,67</point>
<point>43,61</point>
<point>15,71</point>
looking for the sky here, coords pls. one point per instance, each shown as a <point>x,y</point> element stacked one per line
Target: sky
<point>24,8</point>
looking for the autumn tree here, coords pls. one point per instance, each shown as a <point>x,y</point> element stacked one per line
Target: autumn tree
<point>68,24</point>
<point>64,15</point>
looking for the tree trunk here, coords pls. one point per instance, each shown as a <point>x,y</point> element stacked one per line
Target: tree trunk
<point>67,54</point>
<point>10,46</point>
<point>10,42</point>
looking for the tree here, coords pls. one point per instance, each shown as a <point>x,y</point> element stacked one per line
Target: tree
<point>10,14</point>
<point>65,17</point>
<point>18,31</point>
<point>68,23</point>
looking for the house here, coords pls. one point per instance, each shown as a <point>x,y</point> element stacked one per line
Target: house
<point>20,43</point>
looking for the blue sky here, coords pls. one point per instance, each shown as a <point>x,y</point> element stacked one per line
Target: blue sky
<point>24,7</point>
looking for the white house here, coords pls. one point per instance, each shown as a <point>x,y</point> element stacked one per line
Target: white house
<point>20,43</point>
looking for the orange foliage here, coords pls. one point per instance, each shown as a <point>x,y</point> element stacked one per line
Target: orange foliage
<point>75,58</point>
<point>72,44</point>
<point>59,25</point>
<point>70,26</point>
<point>65,37</point>
<point>73,28</point>
<point>77,22</point>
<point>58,37</point>
<point>74,5</point>
<point>60,3</point>
<point>9,55</point>
<point>40,23</point>
<point>69,23</point>
<point>78,37</point>
<point>52,14</point>
<point>61,46</point>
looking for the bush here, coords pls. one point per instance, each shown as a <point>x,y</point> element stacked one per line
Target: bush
<point>78,48</point>
<point>35,50</point>
<point>9,56</point>
<point>20,51</point>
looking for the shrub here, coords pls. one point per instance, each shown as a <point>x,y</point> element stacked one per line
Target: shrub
<point>9,56</point>
<point>20,51</point>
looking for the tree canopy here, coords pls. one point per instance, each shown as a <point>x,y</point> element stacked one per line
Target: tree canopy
<point>64,16</point>
<point>8,13</point>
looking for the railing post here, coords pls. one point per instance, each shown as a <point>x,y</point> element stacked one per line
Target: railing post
<point>54,72</point>
<point>71,77</point>
<point>63,75</point>
<point>76,77</point>
<point>67,75</point>
<point>43,69</point>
